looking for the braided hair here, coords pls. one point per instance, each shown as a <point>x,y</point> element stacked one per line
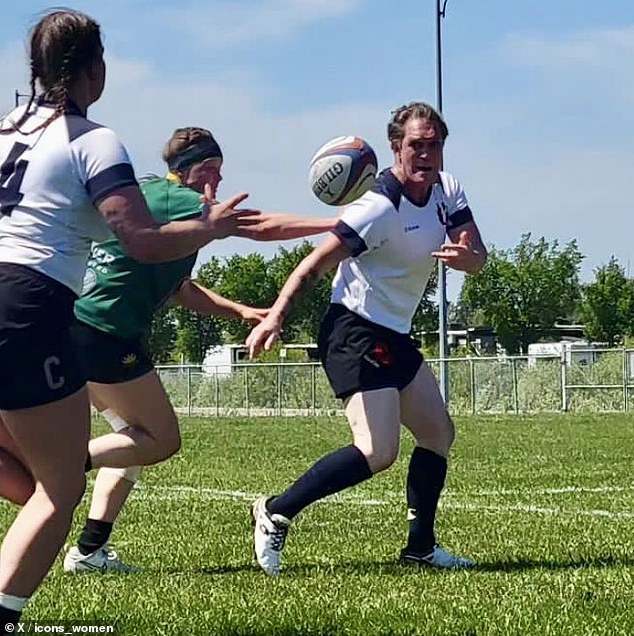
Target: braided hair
<point>62,43</point>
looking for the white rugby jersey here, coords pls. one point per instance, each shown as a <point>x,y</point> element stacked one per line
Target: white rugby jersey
<point>50,181</point>
<point>391,240</point>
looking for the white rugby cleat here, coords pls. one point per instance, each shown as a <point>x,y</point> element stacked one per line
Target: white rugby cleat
<point>103,560</point>
<point>269,536</point>
<point>437,558</point>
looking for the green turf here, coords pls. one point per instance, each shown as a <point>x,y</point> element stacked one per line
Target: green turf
<point>545,504</point>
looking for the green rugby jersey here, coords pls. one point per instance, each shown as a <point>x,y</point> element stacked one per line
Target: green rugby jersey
<point>120,295</point>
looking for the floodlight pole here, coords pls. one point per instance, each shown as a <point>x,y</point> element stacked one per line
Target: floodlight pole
<point>17,95</point>
<point>442,273</point>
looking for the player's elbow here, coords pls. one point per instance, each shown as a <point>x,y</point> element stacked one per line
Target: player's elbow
<point>142,251</point>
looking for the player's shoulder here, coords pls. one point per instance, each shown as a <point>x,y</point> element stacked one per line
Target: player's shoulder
<point>81,129</point>
<point>183,194</point>
<point>169,197</point>
<point>449,184</point>
<point>150,182</point>
<point>380,201</point>
<point>387,190</point>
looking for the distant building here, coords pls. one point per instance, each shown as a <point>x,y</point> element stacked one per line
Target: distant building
<point>482,340</point>
<point>223,359</point>
<point>579,352</point>
<point>304,352</point>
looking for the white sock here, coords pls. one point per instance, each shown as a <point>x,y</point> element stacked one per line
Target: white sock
<point>15,603</point>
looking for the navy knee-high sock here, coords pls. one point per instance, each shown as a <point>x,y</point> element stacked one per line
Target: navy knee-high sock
<point>8,617</point>
<point>94,535</point>
<point>344,468</point>
<point>425,481</point>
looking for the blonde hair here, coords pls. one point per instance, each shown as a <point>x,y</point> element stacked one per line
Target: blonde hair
<point>190,145</point>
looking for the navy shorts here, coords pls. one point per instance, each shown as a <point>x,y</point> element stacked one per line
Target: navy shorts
<point>37,357</point>
<point>359,355</point>
<point>106,358</point>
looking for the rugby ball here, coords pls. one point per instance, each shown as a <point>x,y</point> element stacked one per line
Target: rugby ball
<point>342,170</point>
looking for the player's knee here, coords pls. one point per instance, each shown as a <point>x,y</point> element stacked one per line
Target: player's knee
<point>172,442</point>
<point>451,433</point>
<point>77,488</point>
<point>438,437</point>
<point>66,492</point>
<point>168,443</point>
<point>447,433</point>
<point>171,446</point>
<point>381,456</point>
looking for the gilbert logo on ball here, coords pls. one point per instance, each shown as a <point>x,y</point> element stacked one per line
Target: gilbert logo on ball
<point>342,170</point>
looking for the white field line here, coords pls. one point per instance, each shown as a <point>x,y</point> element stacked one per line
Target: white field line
<point>540,491</point>
<point>184,492</point>
<point>172,493</point>
<point>238,494</point>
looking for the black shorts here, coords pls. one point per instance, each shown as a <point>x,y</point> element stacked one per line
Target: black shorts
<point>37,357</point>
<point>109,359</point>
<point>359,355</point>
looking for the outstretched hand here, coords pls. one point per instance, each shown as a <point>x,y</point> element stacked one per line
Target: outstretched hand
<point>224,219</point>
<point>264,335</point>
<point>254,315</point>
<point>461,255</point>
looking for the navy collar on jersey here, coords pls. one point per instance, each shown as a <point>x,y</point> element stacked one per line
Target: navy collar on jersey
<point>389,186</point>
<point>71,107</point>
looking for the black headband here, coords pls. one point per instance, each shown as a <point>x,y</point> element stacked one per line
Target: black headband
<point>206,148</point>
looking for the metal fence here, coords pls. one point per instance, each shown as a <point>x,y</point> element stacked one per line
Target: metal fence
<point>582,380</point>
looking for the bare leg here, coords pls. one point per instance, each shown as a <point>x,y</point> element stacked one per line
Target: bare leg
<point>52,439</point>
<point>145,431</point>
<point>374,419</point>
<point>151,434</point>
<point>108,496</point>
<point>16,482</point>
<point>424,413</point>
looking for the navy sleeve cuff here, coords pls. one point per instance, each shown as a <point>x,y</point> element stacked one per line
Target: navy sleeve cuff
<point>460,217</point>
<point>349,238</point>
<point>111,179</point>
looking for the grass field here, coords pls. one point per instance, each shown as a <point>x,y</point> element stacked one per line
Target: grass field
<point>545,504</point>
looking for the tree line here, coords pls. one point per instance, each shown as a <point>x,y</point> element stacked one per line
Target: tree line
<point>521,293</point>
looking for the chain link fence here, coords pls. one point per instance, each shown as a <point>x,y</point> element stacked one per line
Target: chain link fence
<point>587,380</point>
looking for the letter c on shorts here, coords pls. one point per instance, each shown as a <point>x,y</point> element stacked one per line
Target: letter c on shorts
<point>53,382</point>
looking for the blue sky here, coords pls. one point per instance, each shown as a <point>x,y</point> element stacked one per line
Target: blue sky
<point>538,96</point>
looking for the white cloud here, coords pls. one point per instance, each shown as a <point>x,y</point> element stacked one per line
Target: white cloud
<point>144,108</point>
<point>266,154</point>
<point>527,163</point>
<point>598,48</point>
<point>221,24</point>
<point>559,192</point>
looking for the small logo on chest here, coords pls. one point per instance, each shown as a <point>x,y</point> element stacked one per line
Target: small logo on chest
<point>411,228</point>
